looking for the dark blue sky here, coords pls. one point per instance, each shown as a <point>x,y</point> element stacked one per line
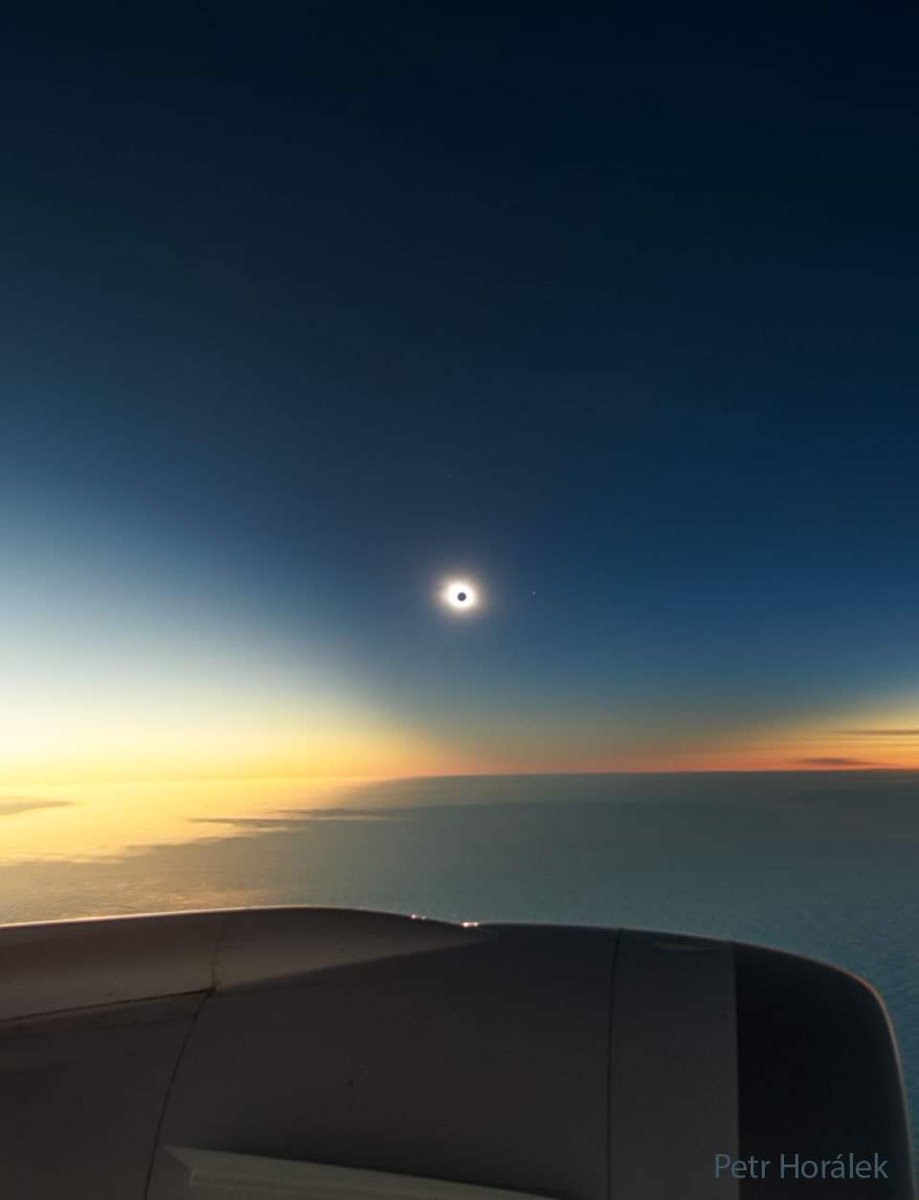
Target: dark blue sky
<point>307,307</point>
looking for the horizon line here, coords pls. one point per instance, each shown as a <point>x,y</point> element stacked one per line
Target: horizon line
<point>800,770</point>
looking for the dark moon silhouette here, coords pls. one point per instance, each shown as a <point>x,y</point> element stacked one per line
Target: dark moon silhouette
<point>461,595</point>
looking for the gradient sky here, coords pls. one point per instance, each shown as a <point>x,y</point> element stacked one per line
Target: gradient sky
<point>308,308</point>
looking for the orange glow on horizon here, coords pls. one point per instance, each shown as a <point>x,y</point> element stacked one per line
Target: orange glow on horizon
<point>345,762</point>
<point>37,752</point>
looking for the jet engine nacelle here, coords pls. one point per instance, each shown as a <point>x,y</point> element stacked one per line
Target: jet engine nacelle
<point>354,1055</point>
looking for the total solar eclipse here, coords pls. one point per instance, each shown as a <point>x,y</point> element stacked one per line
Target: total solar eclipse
<point>460,595</point>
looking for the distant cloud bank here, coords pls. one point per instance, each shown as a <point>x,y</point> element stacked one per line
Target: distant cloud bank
<point>10,805</point>
<point>833,761</point>
<point>868,733</point>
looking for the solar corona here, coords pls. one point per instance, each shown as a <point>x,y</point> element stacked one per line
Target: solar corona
<point>461,596</point>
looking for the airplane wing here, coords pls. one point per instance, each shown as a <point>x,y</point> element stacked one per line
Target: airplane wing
<point>337,1054</point>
